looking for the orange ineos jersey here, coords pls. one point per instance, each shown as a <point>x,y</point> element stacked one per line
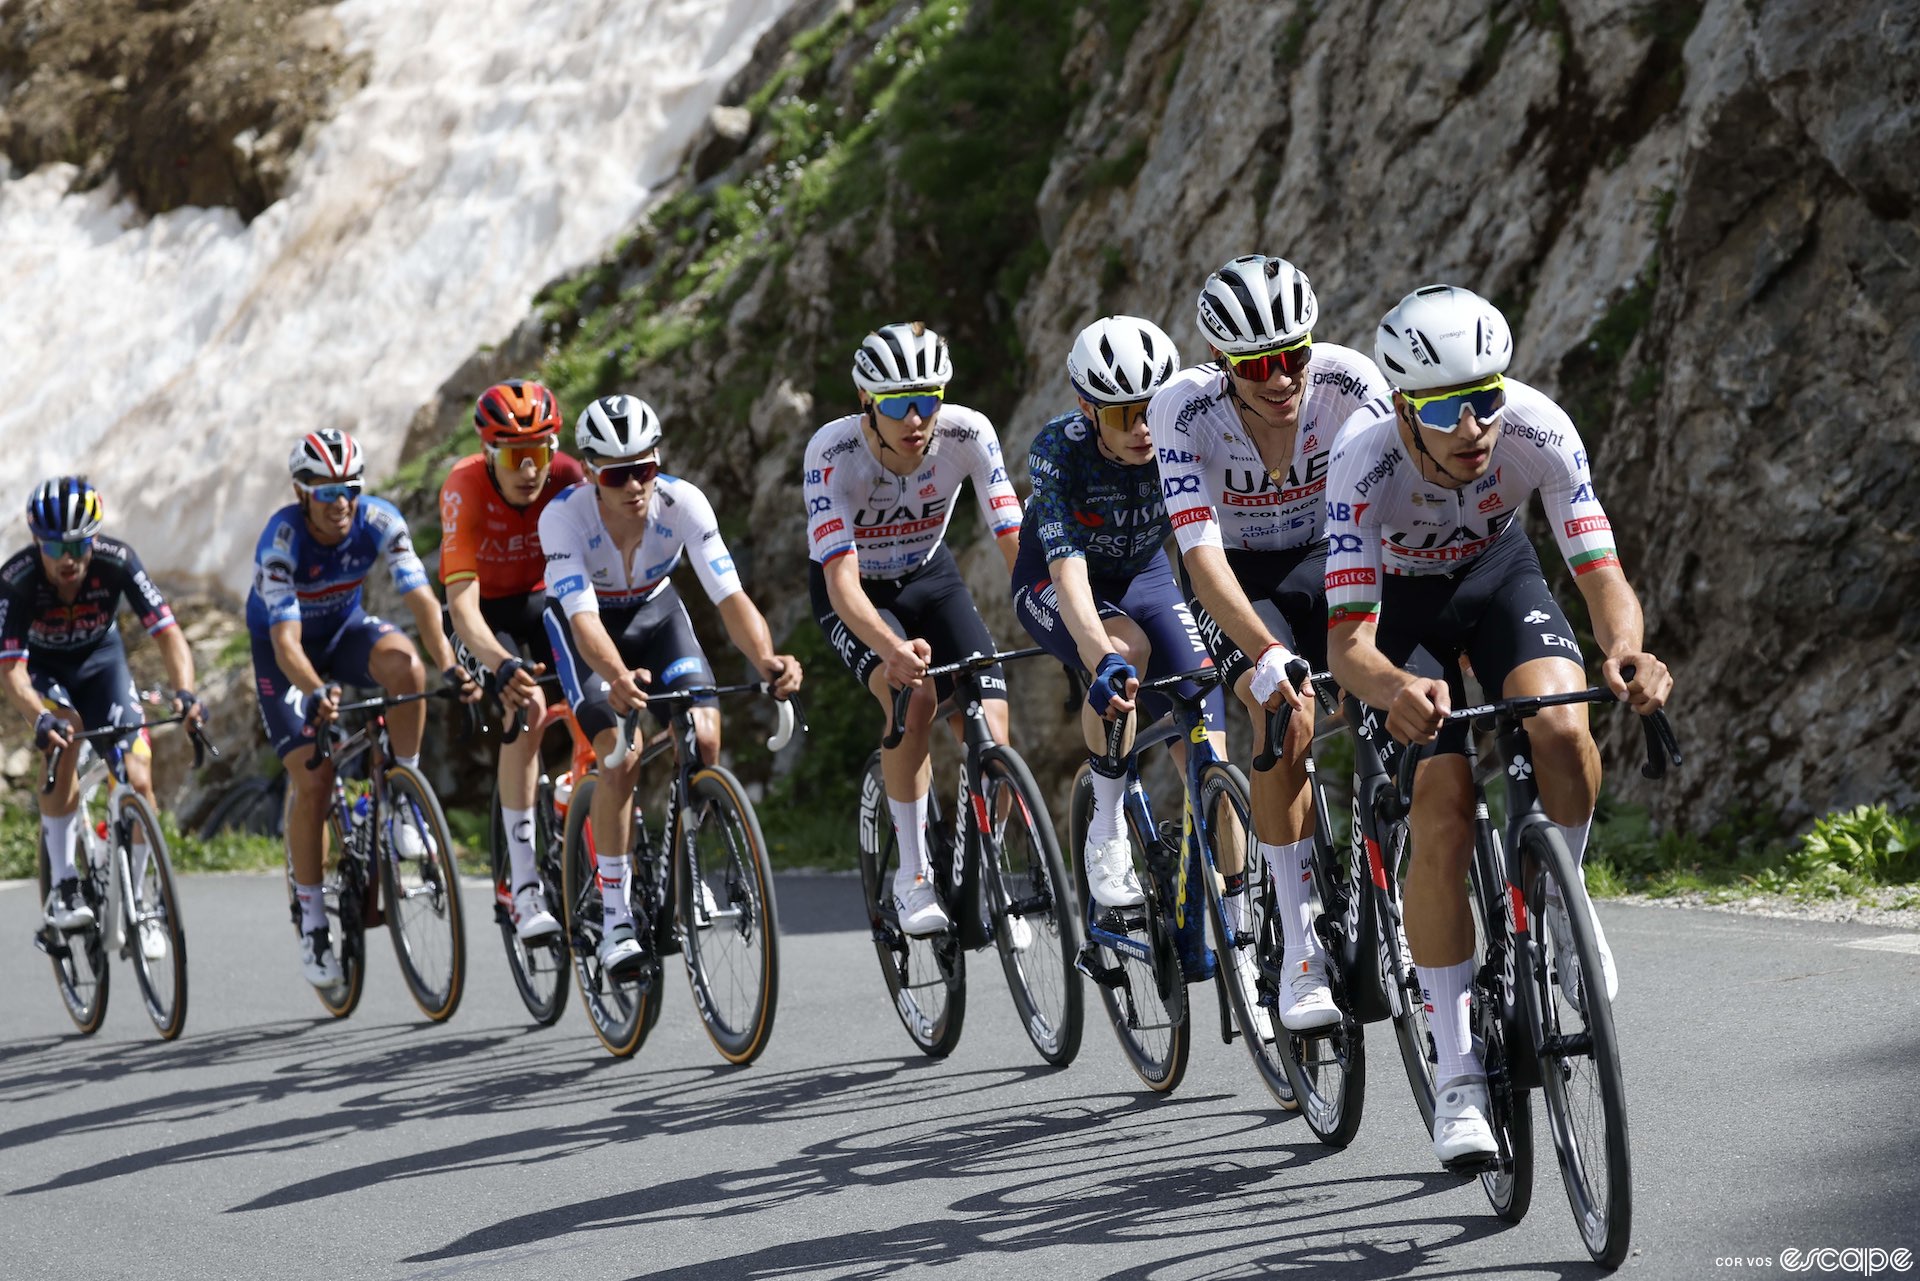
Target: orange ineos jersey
<point>484,537</point>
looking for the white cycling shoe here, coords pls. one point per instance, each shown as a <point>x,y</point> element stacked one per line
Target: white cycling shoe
<point>66,910</point>
<point>153,940</point>
<point>531,919</point>
<point>1248,968</point>
<point>619,951</point>
<point>1567,962</point>
<point>1019,933</point>
<point>1110,874</point>
<point>1462,1135</point>
<point>1306,1001</point>
<point>409,842</point>
<point>707,908</point>
<point>918,906</point>
<point>317,961</point>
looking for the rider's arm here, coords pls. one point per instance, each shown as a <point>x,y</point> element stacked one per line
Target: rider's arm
<point>747,628</point>
<point>177,655</point>
<point>19,688</point>
<point>596,647</point>
<point>463,607</point>
<point>425,608</point>
<point>999,505</point>
<point>850,601</point>
<point>1353,576</point>
<point>1078,611</point>
<point>293,659</point>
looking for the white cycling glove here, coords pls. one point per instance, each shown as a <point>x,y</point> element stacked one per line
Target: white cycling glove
<point>1269,670</point>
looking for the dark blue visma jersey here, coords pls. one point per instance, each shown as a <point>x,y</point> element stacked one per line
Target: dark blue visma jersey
<point>1084,504</point>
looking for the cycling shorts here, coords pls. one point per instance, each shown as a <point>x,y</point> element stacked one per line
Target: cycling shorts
<point>1496,611</point>
<point>655,635</point>
<point>342,658</point>
<point>1151,598</point>
<point>932,603</point>
<point>518,623</point>
<point>98,686</point>
<point>1287,588</point>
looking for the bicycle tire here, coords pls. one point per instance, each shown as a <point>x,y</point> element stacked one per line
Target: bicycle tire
<point>733,957</point>
<point>79,959</point>
<point>1156,1046</point>
<point>343,886</point>
<point>1602,1201</point>
<point>616,1007</point>
<point>147,898</point>
<point>423,894</point>
<point>539,969</point>
<point>1499,1025</point>
<point>926,976</point>
<point>1398,977</point>
<point>1020,867</point>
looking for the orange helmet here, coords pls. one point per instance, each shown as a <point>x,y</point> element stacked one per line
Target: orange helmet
<point>515,410</point>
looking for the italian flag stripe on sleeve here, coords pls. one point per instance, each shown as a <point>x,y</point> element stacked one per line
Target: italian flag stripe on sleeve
<point>1353,612</point>
<point>1598,558</point>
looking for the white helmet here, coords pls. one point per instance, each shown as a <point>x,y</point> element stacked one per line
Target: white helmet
<point>1256,303</point>
<point>901,357</point>
<point>616,427</point>
<point>1118,360</point>
<point>326,456</point>
<point>1442,336</point>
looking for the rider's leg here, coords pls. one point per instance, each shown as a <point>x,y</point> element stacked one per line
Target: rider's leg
<point>907,770</point>
<point>1566,764</point>
<point>310,792</point>
<point>59,808</point>
<point>1283,824</point>
<point>1106,823</point>
<point>395,665</point>
<point>1439,919</point>
<point>612,817</point>
<point>518,774</point>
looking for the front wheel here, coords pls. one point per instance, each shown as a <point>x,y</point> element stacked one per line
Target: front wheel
<point>731,943</point>
<point>617,1006</point>
<point>1571,1020</point>
<point>539,968</point>
<point>422,883</point>
<point>80,958</point>
<point>1138,972</point>
<point>156,938</point>
<point>926,976</point>
<point>1033,908</point>
<point>344,887</point>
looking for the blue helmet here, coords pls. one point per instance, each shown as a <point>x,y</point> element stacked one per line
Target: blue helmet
<point>65,507</point>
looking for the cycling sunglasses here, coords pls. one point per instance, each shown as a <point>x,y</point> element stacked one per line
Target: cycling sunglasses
<point>1259,366</point>
<point>349,490</point>
<point>539,453</point>
<point>924,403</point>
<point>1121,418</point>
<point>1442,412</point>
<point>77,548</point>
<point>617,475</point>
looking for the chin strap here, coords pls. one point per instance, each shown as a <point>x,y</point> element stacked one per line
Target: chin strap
<point>871,421</point>
<point>1420,444</point>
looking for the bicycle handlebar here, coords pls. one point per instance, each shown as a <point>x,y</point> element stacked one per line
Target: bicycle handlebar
<point>202,745</point>
<point>971,663</point>
<point>629,723</point>
<point>1297,672</point>
<point>324,740</point>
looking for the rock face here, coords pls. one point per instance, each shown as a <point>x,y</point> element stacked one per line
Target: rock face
<point>188,102</point>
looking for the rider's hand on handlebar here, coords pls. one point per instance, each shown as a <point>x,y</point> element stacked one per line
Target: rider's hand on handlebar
<point>51,733</point>
<point>1111,691</point>
<point>517,682</point>
<point>907,664</point>
<point>1647,692</point>
<point>458,678</point>
<point>626,694</point>
<point>1419,711</point>
<point>187,706</point>
<point>1270,683</point>
<point>323,706</point>
<point>783,674</point>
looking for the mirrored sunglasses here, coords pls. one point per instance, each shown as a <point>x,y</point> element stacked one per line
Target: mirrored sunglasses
<point>924,403</point>
<point>539,453</point>
<point>55,548</point>
<point>617,476</point>
<point>1442,412</point>
<point>1259,366</point>
<point>349,490</point>
<point>1121,418</point>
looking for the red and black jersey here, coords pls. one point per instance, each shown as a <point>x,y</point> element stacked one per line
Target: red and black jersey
<point>34,618</point>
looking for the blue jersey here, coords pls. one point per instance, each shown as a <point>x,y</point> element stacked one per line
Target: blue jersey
<point>1085,504</point>
<point>297,580</point>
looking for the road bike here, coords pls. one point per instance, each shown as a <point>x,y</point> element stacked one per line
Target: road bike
<point>700,884</point>
<point>390,861</point>
<point>996,870</point>
<point>126,877</point>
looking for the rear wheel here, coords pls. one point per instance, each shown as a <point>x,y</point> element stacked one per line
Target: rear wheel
<point>926,977</point>
<point>1580,1056</point>
<point>422,885</point>
<point>1033,910</point>
<point>539,968</point>
<point>731,940</point>
<point>1140,983</point>
<point>156,938</point>
<point>80,958</point>
<point>618,1007</point>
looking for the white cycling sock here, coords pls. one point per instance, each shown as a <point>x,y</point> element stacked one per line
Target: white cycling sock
<point>1107,822</point>
<point>1446,991</point>
<point>313,907</point>
<point>613,891</point>
<point>59,833</point>
<point>411,762</point>
<point>910,826</point>
<point>519,825</point>
<point>1291,867</point>
<point>1576,838</point>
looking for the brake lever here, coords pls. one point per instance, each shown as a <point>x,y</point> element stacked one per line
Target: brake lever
<point>1297,672</point>
<point>899,730</point>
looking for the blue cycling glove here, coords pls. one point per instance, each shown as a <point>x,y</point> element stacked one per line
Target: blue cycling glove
<point>1109,679</point>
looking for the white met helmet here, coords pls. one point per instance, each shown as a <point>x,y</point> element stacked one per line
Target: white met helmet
<point>616,427</point>
<point>1442,336</point>
<point>1118,360</point>
<point>1256,303</point>
<point>901,357</point>
<point>326,456</point>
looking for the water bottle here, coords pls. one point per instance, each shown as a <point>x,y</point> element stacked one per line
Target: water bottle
<point>362,809</point>
<point>562,794</point>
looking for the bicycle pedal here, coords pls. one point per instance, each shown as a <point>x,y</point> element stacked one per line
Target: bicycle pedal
<point>1468,1167</point>
<point>1088,963</point>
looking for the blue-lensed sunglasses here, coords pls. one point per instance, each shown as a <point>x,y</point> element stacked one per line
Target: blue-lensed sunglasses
<point>924,403</point>
<point>348,490</point>
<point>55,548</point>
<point>1442,412</point>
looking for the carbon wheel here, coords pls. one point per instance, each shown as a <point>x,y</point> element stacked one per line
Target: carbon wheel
<point>1032,907</point>
<point>926,976</point>
<point>618,1007</point>
<point>422,886</point>
<point>80,958</point>
<point>344,886</point>
<point>539,968</point>
<point>731,941</point>
<point>156,938</point>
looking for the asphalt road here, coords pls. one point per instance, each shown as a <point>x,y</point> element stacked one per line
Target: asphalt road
<point>1773,1078</point>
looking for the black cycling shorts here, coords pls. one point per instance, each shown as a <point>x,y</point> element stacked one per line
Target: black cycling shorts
<point>1287,589</point>
<point>656,635</point>
<point>97,684</point>
<point>931,603</point>
<point>518,623</point>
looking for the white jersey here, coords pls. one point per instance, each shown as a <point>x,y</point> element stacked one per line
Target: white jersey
<point>584,568</point>
<point>1217,490</point>
<point>1382,516</point>
<point>894,523</point>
